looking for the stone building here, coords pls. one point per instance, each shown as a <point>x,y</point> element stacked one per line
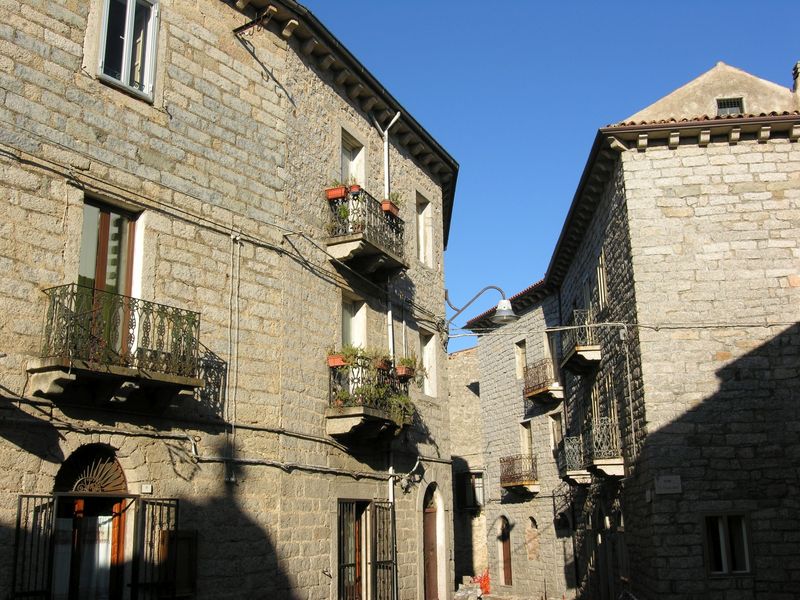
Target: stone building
<point>174,277</point>
<point>652,379</point>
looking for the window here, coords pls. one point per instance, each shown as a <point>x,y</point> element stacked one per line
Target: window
<point>353,323</point>
<point>352,160</point>
<point>602,290</point>
<point>526,437</point>
<point>424,232</point>
<point>365,550</point>
<point>428,351</point>
<point>106,254</point>
<point>127,45</point>
<point>520,358</point>
<point>469,491</point>
<point>556,430</point>
<point>729,106</point>
<point>727,545</point>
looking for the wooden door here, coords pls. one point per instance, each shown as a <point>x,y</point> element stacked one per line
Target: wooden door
<point>505,545</point>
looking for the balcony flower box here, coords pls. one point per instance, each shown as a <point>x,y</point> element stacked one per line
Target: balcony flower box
<point>336,193</point>
<point>355,188</point>
<point>390,207</point>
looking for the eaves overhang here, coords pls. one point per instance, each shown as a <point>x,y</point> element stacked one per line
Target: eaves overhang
<point>608,144</point>
<point>298,25</point>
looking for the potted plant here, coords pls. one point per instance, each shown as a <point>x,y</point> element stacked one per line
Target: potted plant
<point>407,367</point>
<point>343,358</point>
<point>392,204</point>
<point>401,409</point>
<point>335,191</point>
<point>381,361</point>
<point>355,187</point>
<point>336,360</point>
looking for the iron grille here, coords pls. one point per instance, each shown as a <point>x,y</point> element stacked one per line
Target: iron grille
<point>362,384</point>
<point>104,328</point>
<point>384,528</point>
<point>156,549</point>
<point>349,536</point>
<point>538,376</point>
<point>582,334</point>
<point>518,469</point>
<point>569,454</point>
<point>33,547</point>
<point>602,439</point>
<point>729,106</point>
<point>360,213</point>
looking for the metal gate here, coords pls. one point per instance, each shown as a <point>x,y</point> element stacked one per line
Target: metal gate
<point>383,548</point>
<point>33,547</point>
<point>154,559</point>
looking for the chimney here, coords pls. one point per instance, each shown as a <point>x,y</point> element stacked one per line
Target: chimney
<point>796,77</point>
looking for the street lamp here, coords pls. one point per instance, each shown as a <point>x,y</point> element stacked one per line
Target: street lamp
<point>502,314</point>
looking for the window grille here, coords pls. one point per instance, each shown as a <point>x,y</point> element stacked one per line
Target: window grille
<point>729,106</point>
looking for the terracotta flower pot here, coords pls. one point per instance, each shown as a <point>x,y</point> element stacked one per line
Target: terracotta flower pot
<point>336,193</point>
<point>404,373</point>
<point>336,360</point>
<point>390,207</point>
<point>355,188</point>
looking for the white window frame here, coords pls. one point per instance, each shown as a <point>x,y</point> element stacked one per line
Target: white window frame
<point>723,535</point>
<point>151,51</point>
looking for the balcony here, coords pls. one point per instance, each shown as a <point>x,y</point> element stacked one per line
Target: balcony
<point>519,471</point>
<point>569,459</point>
<point>602,448</point>
<point>115,348</point>
<point>363,235</point>
<point>580,347</point>
<point>541,383</point>
<point>366,399</point>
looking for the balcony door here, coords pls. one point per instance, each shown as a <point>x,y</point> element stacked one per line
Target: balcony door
<point>101,322</point>
<point>430,545</point>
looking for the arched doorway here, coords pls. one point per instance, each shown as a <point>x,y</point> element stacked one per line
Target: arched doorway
<point>430,544</point>
<point>89,541</point>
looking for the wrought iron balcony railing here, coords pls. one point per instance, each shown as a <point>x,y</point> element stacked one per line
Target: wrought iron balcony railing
<point>569,455</point>
<point>364,384</point>
<point>539,376</point>
<point>582,335</point>
<point>360,213</point>
<point>602,440</point>
<point>106,329</point>
<point>518,470</point>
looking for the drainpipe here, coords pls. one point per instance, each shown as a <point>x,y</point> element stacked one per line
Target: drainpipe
<point>385,135</point>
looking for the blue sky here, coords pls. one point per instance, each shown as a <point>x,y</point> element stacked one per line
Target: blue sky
<point>516,90</point>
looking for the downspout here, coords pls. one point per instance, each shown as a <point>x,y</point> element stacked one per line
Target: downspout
<point>385,135</point>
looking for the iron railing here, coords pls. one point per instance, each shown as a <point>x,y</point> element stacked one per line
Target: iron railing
<point>518,469</point>
<point>360,213</point>
<point>538,376</point>
<point>601,439</point>
<point>362,383</point>
<point>110,329</point>
<point>569,454</point>
<point>582,334</point>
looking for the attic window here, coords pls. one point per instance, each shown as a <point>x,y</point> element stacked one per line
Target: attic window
<point>729,106</point>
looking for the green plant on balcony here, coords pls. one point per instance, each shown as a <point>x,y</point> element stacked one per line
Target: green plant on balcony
<point>409,368</point>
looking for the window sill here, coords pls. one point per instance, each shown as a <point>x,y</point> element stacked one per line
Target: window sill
<point>118,85</point>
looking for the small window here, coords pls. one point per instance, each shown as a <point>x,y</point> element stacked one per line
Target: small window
<point>352,160</point>
<point>424,232</point>
<point>427,347</point>
<point>520,358</point>
<point>602,290</point>
<point>127,47</point>
<point>729,106</point>
<point>727,545</point>
<point>556,430</point>
<point>353,322</point>
<point>469,491</point>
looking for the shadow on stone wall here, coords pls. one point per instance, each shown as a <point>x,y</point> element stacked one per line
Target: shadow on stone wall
<point>736,452</point>
<point>235,557</point>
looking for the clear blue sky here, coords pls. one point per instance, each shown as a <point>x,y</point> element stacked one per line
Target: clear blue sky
<point>516,90</point>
